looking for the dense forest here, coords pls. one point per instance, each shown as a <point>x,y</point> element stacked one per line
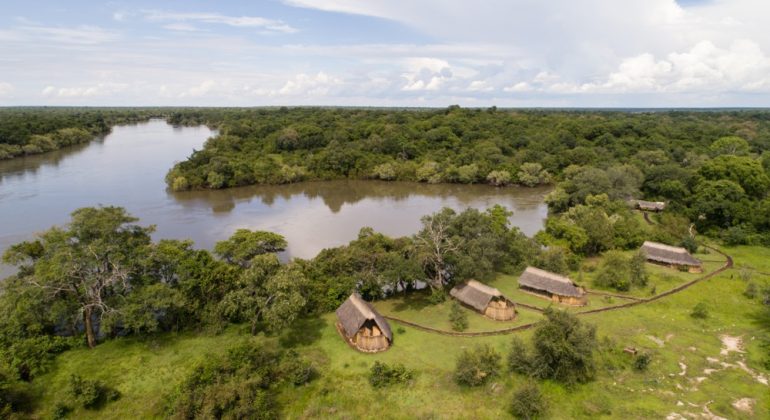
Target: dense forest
<point>711,167</point>
<point>102,279</point>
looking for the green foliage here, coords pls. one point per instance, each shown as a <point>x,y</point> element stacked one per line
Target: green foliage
<point>690,244</point>
<point>563,348</point>
<point>476,367</point>
<point>382,375</point>
<point>520,358</point>
<point>90,393</point>
<point>642,360</point>
<point>458,317</point>
<point>731,145</point>
<point>244,245</point>
<point>528,402</point>
<point>240,384</point>
<point>614,272</point>
<point>700,311</point>
<point>532,174</point>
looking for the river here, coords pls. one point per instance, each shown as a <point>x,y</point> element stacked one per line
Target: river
<point>127,168</point>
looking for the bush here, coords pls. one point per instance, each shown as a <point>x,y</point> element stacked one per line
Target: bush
<point>528,403</point>
<point>700,311</point>
<point>476,367</point>
<point>458,317</point>
<point>91,393</point>
<point>642,361</point>
<point>751,291</point>
<point>519,359</point>
<point>564,348</point>
<point>61,411</point>
<point>296,369</point>
<point>382,375</point>
<point>690,244</point>
<point>614,272</point>
<point>437,296</point>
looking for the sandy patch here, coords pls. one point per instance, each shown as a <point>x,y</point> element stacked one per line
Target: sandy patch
<point>684,369</point>
<point>730,344</point>
<point>657,340</point>
<point>745,404</point>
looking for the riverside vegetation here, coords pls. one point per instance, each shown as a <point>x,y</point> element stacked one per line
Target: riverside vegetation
<point>102,320</point>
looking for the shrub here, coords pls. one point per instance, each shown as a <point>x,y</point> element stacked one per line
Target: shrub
<point>382,375</point>
<point>296,369</point>
<point>528,403</point>
<point>700,311</point>
<point>564,348</point>
<point>690,244</point>
<point>751,291</point>
<point>614,272</point>
<point>61,411</point>
<point>519,359</point>
<point>458,317</point>
<point>91,393</point>
<point>642,361</point>
<point>476,367</point>
<point>437,296</point>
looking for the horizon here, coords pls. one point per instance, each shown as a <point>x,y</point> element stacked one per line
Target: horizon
<point>599,54</point>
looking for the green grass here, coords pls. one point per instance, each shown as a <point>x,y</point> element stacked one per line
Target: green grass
<point>146,371</point>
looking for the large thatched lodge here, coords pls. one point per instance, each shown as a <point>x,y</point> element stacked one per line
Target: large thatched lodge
<point>362,326</point>
<point>671,256</point>
<point>552,286</point>
<point>654,206</point>
<point>484,299</point>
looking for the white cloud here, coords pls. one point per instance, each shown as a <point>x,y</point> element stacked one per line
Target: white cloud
<point>99,89</point>
<point>83,34</point>
<point>309,85</point>
<point>5,89</point>
<point>181,27</point>
<point>268,25</point>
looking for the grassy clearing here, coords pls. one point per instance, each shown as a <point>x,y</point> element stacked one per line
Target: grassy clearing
<point>145,372</point>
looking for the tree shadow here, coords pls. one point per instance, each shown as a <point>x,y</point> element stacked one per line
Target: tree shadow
<point>303,332</point>
<point>412,301</point>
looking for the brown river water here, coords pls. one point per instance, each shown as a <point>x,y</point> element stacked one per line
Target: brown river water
<point>127,168</point>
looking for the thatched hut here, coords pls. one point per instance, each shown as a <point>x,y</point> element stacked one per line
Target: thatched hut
<point>484,299</point>
<point>552,286</point>
<point>654,206</point>
<point>671,256</point>
<point>362,326</point>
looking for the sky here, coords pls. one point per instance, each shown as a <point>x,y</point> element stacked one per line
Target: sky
<point>507,53</point>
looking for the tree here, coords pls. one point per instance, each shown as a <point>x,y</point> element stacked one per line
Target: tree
<point>499,178</point>
<point>267,292</point>
<point>458,317</point>
<point>532,174</point>
<point>614,272</point>
<point>563,348</point>
<point>638,269</point>
<point>731,145</point>
<point>718,203</point>
<point>745,171</point>
<point>87,267</point>
<point>435,244</point>
<point>244,245</point>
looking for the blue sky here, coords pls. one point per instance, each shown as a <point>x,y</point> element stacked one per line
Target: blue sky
<point>386,53</point>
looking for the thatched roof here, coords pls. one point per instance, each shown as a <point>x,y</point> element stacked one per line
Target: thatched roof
<point>475,294</point>
<point>535,278</point>
<point>650,205</point>
<point>669,254</point>
<point>355,311</point>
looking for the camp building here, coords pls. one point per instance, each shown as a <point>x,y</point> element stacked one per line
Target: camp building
<point>484,299</point>
<point>552,286</point>
<point>671,256</point>
<point>362,326</point>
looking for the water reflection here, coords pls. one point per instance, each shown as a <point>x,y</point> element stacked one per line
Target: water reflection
<point>128,166</point>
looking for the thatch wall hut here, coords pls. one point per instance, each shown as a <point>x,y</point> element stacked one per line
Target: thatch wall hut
<point>362,326</point>
<point>671,256</point>
<point>655,206</point>
<point>552,286</point>
<point>484,299</point>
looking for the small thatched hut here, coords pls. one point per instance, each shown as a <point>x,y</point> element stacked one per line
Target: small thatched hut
<point>363,327</point>
<point>655,206</point>
<point>486,300</point>
<point>671,256</point>
<point>552,286</point>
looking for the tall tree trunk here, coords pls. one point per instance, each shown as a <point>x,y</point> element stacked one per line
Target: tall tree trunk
<point>90,336</point>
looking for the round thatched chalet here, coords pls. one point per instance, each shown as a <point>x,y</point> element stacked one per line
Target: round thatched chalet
<point>654,206</point>
<point>671,256</point>
<point>362,326</point>
<point>552,286</point>
<point>484,299</point>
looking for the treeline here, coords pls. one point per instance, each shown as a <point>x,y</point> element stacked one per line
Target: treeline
<point>712,167</point>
